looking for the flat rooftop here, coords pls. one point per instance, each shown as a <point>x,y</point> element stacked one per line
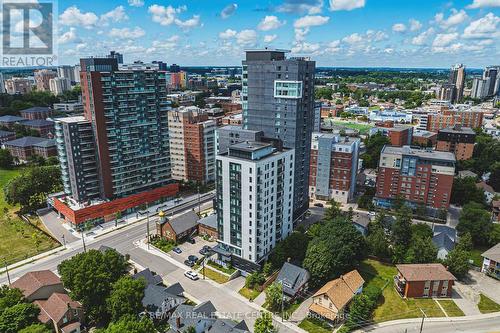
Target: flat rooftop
<point>74,119</point>
<point>250,146</point>
<point>422,153</point>
<point>456,130</point>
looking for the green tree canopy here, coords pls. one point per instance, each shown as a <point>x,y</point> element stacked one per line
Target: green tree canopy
<point>464,190</point>
<point>476,221</point>
<point>130,324</point>
<point>274,294</point>
<point>6,159</point>
<point>264,324</point>
<point>17,317</point>
<point>293,247</point>
<point>126,297</point>
<point>36,328</point>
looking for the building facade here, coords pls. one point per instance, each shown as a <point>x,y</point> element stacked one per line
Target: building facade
<point>37,112</point>
<point>457,79</point>
<point>419,176</point>
<point>458,140</point>
<point>67,72</point>
<point>229,135</point>
<point>398,135</point>
<point>450,118</point>
<point>192,144</point>
<point>59,85</point>
<point>278,99</point>
<point>334,165</point>
<point>254,203</point>
<point>18,85</point>
<point>42,79</point>
<point>423,281</point>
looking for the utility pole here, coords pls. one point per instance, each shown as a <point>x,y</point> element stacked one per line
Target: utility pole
<point>147,226</point>
<point>423,317</point>
<point>7,271</point>
<point>282,303</point>
<point>199,201</point>
<point>204,268</point>
<point>83,241</point>
<point>64,241</point>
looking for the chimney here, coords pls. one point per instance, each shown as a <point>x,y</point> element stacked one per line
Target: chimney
<point>178,321</point>
<point>288,259</point>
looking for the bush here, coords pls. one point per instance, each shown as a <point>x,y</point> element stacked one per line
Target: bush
<point>255,279</point>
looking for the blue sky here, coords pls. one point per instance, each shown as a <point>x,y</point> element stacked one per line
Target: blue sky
<point>360,33</point>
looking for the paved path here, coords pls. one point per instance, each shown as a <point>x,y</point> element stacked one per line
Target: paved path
<point>54,225</point>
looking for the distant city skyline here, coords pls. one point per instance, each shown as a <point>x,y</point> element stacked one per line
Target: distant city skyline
<point>337,33</point>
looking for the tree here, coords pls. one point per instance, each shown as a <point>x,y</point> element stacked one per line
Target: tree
<point>323,92</point>
<point>464,190</point>
<point>422,250</point>
<point>374,145</point>
<point>274,296</point>
<point>494,180</point>
<point>465,242</point>
<point>458,262</point>
<point>17,317</point>
<point>130,324</point>
<point>476,221</point>
<point>421,230</point>
<point>125,297</point>
<point>255,279</point>
<point>264,324</point>
<point>90,276</point>
<point>6,159</point>
<point>378,243</point>
<point>36,328</point>
<point>293,247</point>
<point>333,210</point>
<point>9,297</point>
<point>401,229</point>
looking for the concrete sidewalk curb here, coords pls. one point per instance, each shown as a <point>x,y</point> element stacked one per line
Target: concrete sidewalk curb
<point>32,259</point>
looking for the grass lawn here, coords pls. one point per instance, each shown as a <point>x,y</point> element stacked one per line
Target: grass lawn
<point>20,240</point>
<point>476,256</point>
<point>249,293</point>
<point>362,128</point>
<point>391,306</point>
<point>452,310</point>
<point>163,244</point>
<point>213,275</point>
<point>220,267</point>
<point>487,305</point>
<point>313,325</point>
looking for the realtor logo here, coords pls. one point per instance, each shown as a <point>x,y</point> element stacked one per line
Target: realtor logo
<point>28,33</point>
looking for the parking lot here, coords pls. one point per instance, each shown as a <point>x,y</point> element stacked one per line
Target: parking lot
<point>191,249</point>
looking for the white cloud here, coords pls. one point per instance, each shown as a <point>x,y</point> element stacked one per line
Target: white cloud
<point>127,33</point>
<point>399,27</point>
<point>72,16</point>
<point>422,38</point>
<point>333,47</point>
<point>300,34</point>
<point>228,10</point>
<point>456,18</point>
<point>116,15</point>
<point>68,36</point>
<point>485,27</point>
<point>246,37</point>
<point>168,15</point>
<point>376,36</point>
<point>310,21</point>
<point>346,4</point>
<point>269,38</point>
<point>310,7</point>
<point>415,25</point>
<point>305,48</point>
<point>169,44</point>
<point>353,38</point>
<point>229,33</point>
<point>444,39</point>
<point>136,3</point>
<point>484,4</point>
<point>270,22</point>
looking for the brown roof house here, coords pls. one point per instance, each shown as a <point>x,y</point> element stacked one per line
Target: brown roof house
<point>423,280</point>
<point>332,299</point>
<point>179,227</point>
<point>45,289</point>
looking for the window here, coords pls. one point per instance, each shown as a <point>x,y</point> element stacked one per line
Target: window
<point>287,89</point>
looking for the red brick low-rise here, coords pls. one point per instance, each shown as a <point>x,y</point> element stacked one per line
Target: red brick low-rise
<point>423,280</point>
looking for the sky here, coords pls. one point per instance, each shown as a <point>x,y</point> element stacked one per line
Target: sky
<point>351,33</point>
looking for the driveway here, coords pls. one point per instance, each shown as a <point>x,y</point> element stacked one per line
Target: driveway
<point>191,249</point>
<point>54,225</point>
<point>481,283</point>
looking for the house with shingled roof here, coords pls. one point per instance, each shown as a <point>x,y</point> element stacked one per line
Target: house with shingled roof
<point>423,280</point>
<point>491,262</point>
<point>293,279</point>
<point>160,301</point>
<point>331,301</point>
<point>61,312</point>
<point>39,285</point>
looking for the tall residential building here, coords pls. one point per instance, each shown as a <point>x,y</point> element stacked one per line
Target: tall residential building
<point>317,116</point>
<point>42,79</point>
<point>67,72</point>
<point>192,144</point>
<point>254,205</point>
<point>76,70</point>
<point>334,167</point>
<point>18,85</point>
<point>480,87</point>
<point>176,80</point>
<point>492,74</point>
<point>116,55</point>
<point>127,112</point>
<point>450,118</point>
<point>278,99</point>
<point>448,92</point>
<point>174,68</point>
<point>457,78</point>
<point>2,84</point>
<point>419,176</point>
<point>229,135</point>
<point>59,85</point>
<point>458,140</point>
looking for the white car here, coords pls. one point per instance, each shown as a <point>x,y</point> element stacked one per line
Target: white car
<point>372,214</point>
<point>191,275</point>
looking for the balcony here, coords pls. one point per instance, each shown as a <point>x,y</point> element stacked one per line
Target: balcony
<point>399,284</point>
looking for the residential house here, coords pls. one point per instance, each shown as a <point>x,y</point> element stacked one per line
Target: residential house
<point>361,222</point>
<point>423,280</point>
<point>489,192</point>
<point>9,121</point>
<point>159,301</point>
<point>38,285</point>
<point>491,262</point>
<point>36,112</point>
<point>149,276</point>
<point>207,226</point>
<point>61,312</point>
<point>228,326</point>
<point>331,301</point>
<point>25,147</point>
<point>293,279</point>
<point>6,136</point>
<point>444,238</point>
<point>45,128</point>
<point>179,227</point>
<point>200,317</point>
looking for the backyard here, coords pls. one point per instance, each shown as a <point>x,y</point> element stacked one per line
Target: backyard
<point>20,240</point>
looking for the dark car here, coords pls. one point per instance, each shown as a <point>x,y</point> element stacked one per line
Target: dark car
<point>177,250</point>
<point>189,263</point>
<point>193,258</point>
<point>205,250</point>
<point>318,204</point>
<point>191,240</point>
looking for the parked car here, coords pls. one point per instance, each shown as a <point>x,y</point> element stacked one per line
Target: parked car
<point>318,204</point>
<point>177,250</point>
<point>372,214</point>
<point>193,258</point>
<point>191,240</point>
<point>205,250</point>
<point>189,263</point>
<point>191,275</point>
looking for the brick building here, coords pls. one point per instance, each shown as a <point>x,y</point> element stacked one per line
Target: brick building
<point>450,118</point>
<point>37,112</point>
<point>398,135</point>
<point>28,146</point>
<point>45,128</point>
<point>458,140</point>
<point>6,136</point>
<point>423,280</point>
<point>208,226</point>
<point>178,228</point>
<point>333,168</point>
<point>424,138</point>
<point>420,176</point>
<point>42,79</point>
<point>192,144</point>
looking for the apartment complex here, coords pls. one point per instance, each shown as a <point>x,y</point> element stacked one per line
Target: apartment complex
<point>192,144</point>
<point>398,135</point>
<point>458,140</point>
<point>254,203</point>
<point>42,79</point>
<point>118,154</point>
<point>334,165</point>
<point>450,118</point>
<point>419,176</point>
<point>278,99</point>
<point>36,112</point>
<point>59,85</point>
<point>18,85</point>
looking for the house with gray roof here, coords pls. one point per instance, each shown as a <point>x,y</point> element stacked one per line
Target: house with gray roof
<point>228,326</point>
<point>45,128</point>
<point>444,238</point>
<point>293,279</point>
<point>9,121</point>
<point>201,317</point>
<point>147,275</point>
<point>159,301</point>
<point>27,146</point>
<point>208,226</point>
<point>178,228</point>
<point>36,112</point>
<point>6,136</point>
